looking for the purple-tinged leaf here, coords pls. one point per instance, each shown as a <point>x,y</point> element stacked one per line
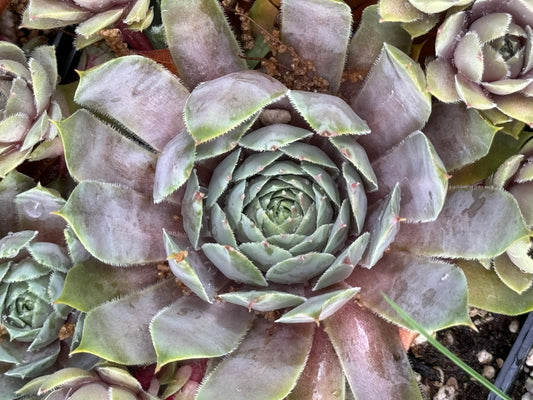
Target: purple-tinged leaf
<point>10,186</point>
<point>345,263</point>
<point>49,14</point>
<point>118,225</point>
<point>460,135</point>
<point>417,168</point>
<point>263,300</point>
<point>398,11</point>
<point>201,43</point>
<point>468,57</point>
<point>96,151</point>
<point>320,307</point>
<point>192,328</point>
<point>269,353</point>
<point>371,355</point>
<point>273,137</point>
<point>449,34</point>
<point>174,165</point>
<point>432,292</point>
<point>383,223</point>
<point>516,106</point>
<point>300,268</point>
<point>43,69</point>
<point>325,45</point>
<point>217,106</point>
<point>233,264</point>
<point>13,243</point>
<point>322,377</point>
<point>118,331</point>
<point>394,90</point>
<point>440,77</point>
<point>356,195</point>
<point>472,94</point>
<point>122,87</point>
<point>91,283</point>
<point>98,21</point>
<point>327,115</point>
<point>468,226</point>
<point>488,292</point>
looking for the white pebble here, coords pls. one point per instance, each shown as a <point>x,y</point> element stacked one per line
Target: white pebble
<point>529,385</point>
<point>527,396</point>
<point>529,359</point>
<point>484,357</point>
<point>514,325</point>
<point>488,372</point>
<point>445,393</point>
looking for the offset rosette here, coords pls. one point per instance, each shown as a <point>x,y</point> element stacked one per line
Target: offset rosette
<point>484,59</point>
<point>28,101</point>
<point>104,381</point>
<point>90,16</point>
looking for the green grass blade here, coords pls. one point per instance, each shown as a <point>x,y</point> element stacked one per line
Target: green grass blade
<point>412,324</point>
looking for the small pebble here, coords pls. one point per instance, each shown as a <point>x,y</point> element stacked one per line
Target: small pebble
<point>484,357</point>
<point>529,385</point>
<point>499,362</point>
<point>529,359</point>
<point>527,396</point>
<point>449,339</point>
<point>514,325</point>
<point>445,393</point>
<point>489,371</point>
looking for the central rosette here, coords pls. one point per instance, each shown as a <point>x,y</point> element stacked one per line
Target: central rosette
<point>278,208</point>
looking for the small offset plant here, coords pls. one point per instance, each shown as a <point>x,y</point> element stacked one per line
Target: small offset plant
<point>252,219</point>
<point>28,101</point>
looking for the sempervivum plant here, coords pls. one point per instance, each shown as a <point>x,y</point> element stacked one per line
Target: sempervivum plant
<point>104,382</point>
<point>280,201</point>
<point>484,58</point>
<point>33,264</point>
<point>90,16</point>
<point>28,100</point>
<point>417,16</point>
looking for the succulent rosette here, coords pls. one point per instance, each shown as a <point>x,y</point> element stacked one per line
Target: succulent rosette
<point>484,59</point>
<point>90,16</point>
<point>28,100</point>
<point>297,205</point>
<point>105,381</point>
<point>417,16</point>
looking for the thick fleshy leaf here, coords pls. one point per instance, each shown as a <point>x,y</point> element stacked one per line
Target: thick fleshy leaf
<point>43,69</point>
<point>472,94</point>
<point>267,354</point>
<point>319,307</point>
<point>91,283</point>
<point>516,106</point>
<point>468,226</point>
<point>394,81</point>
<point>35,209</point>
<point>433,293</point>
<point>202,44</point>
<point>487,291</point>
<point>325,45</point>
<point>118,225</point>
<point>192,328</point>
<point>118,331</point>
<point>383,224</point>
<point>254,164</point>
<point>306,152</point>
<point>345,263</point>
<point>468,57</point>
<point>10,186</point>
<point>217,106</point>
<point>324,180</point>
<point>192,210</point>
<point>174,165</point>
<point>460,135</point>
<point>328,115</point>
<point>222,175</point>
<point>96,151</point>
<point>98,21</point>
<point>65,376</point>
<point>299,269</point>
<point>355,153</point>
<point>440,77</point>
<point>263,300</point>
<point>273,137</point>
<point>356,195</point>
<point>51,255</point>
<point>322,377</point>
<point>264,253</point>
<point>512,276</point>
<point>11,244</point>
<point>415,165</point>
<point>233,264</point>
<point>119,86</point>
<point>371,355</point>
<point>191,269</point>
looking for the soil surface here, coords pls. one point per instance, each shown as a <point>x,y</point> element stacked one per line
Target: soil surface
<point>485,351</point>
